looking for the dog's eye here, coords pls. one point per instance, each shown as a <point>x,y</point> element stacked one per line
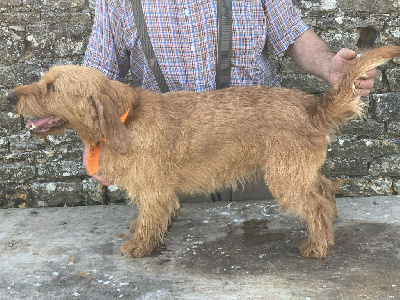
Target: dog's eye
<point>50,87</point>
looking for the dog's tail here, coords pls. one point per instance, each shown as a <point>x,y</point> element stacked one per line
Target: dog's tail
<point>340,104</point>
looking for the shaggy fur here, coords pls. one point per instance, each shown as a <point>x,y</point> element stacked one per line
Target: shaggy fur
<point>186,142</point>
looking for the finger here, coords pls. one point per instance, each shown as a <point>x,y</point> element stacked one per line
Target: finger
<point>347,54</point>
<point>362,92</point>
<point>364,84</point>
<point>370,74</point>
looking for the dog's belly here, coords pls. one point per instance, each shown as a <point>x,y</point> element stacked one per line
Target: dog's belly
<point>217,172</point>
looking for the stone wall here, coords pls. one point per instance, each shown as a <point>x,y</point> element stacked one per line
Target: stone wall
<point>37,34</point>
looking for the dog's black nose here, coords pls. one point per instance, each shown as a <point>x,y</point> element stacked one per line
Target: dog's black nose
<point>12,98</point>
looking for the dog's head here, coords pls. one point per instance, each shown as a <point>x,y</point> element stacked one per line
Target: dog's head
<point>75,97</point>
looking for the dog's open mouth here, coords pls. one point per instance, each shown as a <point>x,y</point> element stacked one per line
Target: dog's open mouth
<point>42,125</point>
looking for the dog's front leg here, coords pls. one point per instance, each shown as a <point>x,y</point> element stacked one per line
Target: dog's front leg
<point>155,210</point>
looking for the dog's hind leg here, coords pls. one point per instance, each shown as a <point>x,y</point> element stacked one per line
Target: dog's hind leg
<point>319,214</point>
<point>155,210</point>
<point>295,187</point>
<point>328,189</point>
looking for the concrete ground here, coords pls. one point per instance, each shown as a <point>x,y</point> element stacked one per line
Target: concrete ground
<point>220,250</point>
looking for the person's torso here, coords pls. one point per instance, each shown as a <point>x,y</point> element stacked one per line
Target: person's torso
<point>183,34</point>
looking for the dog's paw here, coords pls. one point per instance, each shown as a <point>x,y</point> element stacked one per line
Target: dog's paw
<point>310,249</point>
<point>129,249</point>
<point>133,249</point>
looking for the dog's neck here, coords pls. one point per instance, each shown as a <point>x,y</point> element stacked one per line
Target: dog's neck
<point>94,151</point>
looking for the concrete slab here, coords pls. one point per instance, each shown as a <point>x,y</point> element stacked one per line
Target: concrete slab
<point>221,250</point>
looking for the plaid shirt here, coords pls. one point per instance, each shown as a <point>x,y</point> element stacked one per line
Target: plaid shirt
<point>184,37</point>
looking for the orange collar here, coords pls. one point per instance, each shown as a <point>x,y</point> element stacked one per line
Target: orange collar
<point>94,152</point>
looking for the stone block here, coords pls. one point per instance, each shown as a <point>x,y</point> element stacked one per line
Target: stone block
<point>307,83</point>
<point>55,5</point>
<point>387,106</point>
<point>385,166</point>
<point>67,17</point>
<point>370,6</point>
<point>362,149</point>
<point>335,166</point>
<point>393,21</point>
<point>351,20</point>
<point>9,123</point>
<point>93,192</point>
<point>393,77</point>
<point>67,193</point>
<point>24,143</point>
<point>390,35</point>
<point>40,194</point>
<point>20,73</point>
<point>12,195</point>
<point>338,39</point>
<point>58,40</point>
<point>17,172</point>
<point>11,3</point>
<point>366,186</point>
<point>364,126</point>
<point>16,19</point>
<point>60,169</point>
<point>12,46</point>
<point>4,146</point>
<point>316,7</point>
<point>393,129</point>
<point>396,186</point>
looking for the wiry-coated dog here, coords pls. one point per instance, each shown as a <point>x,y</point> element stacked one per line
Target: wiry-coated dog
<point>167,144</point>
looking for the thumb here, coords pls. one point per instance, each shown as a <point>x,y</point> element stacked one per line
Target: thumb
<point>347,54</point>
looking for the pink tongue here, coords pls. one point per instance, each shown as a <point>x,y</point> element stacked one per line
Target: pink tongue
<point>32,124</point>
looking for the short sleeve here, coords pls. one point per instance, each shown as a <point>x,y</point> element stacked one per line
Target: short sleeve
<point>284,24</point>
<point>106,50</point>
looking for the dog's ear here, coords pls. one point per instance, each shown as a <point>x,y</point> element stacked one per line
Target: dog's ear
<point>112,129</point>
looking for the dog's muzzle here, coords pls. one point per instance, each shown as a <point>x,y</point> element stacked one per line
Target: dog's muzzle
<point>12,98</point>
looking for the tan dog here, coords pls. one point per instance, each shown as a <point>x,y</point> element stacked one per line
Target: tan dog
<point>187,142</point>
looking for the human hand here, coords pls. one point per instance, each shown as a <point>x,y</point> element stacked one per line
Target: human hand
<point>97,176</point>
<point>341,62</point>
